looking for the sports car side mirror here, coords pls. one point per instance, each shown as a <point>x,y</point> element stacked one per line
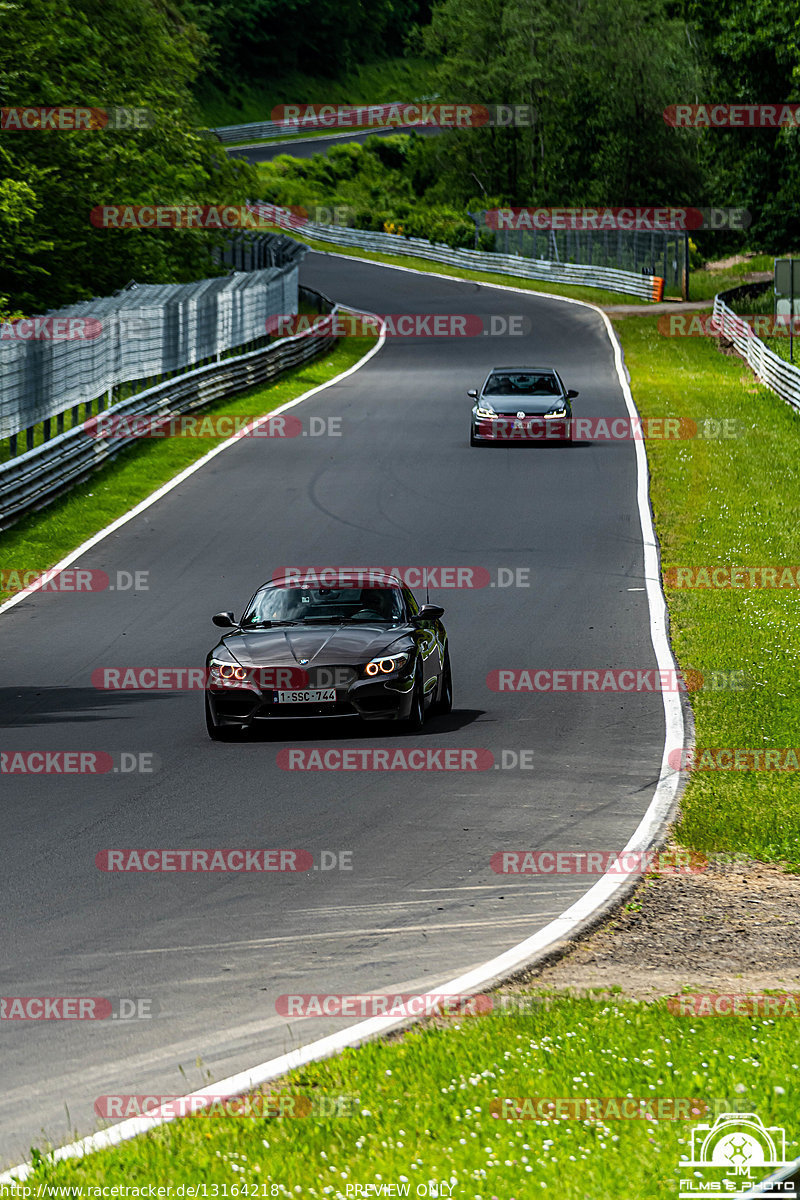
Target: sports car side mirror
<point>472,392</point>
<point>430,612</point>
<point>224,620</point>
<point>572,394</point>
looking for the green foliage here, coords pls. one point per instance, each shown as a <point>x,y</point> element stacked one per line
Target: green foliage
<point>597,74</point>
<point>752,55</point>
<point>372,184</point>
<point>101,53</point>
<point>256,39</point>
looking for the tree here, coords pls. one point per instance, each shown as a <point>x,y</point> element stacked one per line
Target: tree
<point>101,53</point>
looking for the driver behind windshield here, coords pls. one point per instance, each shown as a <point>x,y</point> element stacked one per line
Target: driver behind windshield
<point>280,604</point>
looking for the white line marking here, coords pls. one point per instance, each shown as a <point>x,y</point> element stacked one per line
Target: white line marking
<point>521,955</point>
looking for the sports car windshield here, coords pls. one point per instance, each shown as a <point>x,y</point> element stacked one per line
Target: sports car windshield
<point>301,605</point>
<point>521,383</point>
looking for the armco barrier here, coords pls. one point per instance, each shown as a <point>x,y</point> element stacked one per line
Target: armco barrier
<point>783,377</point>
<point>33,479</point>
<point>648,287</point>
<point>144,332</point>
<point>268,129</point>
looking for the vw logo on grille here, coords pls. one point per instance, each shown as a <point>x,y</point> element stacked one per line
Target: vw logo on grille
<point>520,414</point>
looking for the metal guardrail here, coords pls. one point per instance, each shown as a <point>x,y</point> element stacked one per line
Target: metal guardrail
<point>268,129</point>
<point>258,130</point>
<point>769,367</point>
<point>657,251</point>
<point>648,287</point>
<point>34,479</point>
<point>144,332</point>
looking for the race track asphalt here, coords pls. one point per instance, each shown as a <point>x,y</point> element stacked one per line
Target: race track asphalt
<point>399,487</point>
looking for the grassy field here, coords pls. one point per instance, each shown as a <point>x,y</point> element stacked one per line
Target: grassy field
<point>425,1108</point>
<point>717,502</point>
<point>41,539</point>
<point>705,284</point>
<point>373,83</point>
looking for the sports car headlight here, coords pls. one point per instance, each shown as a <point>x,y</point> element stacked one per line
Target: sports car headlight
<point>385,666</point>
<point>224,671</point>
<point>485,410</point>
<point>557,412</point>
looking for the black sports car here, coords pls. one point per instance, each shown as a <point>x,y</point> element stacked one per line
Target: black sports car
<point>521,404</point>
<point>318,651</point>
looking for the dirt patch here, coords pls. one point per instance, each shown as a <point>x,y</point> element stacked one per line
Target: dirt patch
<point>722,264</point>
<point>732,928</point>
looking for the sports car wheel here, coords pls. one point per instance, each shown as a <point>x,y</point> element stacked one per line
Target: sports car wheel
<point>445,701</point>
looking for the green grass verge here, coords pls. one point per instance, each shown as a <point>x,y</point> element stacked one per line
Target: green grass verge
<point>38,541</point>
<point>721,503</point>
<point>423,1110</point>
<point>372,83</point>
<point>704,285</point>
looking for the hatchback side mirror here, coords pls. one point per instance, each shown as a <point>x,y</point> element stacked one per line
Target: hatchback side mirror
<point>473,392</point>
<point>572,394</point>
<point>224,620</point>
<point>430,612</point>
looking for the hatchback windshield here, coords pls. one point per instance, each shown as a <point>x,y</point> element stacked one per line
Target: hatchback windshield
<point>521,383</point>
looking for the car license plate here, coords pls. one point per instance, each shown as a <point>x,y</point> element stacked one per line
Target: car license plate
<point>317,696</point>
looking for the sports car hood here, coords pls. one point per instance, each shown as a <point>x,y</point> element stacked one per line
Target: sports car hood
<point>322,645</point>
<point>532,406</point>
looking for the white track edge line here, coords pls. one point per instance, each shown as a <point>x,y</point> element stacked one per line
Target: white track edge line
<point>521,955</point>
<point>190,470</point>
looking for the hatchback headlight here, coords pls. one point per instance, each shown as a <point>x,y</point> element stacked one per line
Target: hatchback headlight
<point>556,412</point>
<point>386,665</point>
<point>485,409</point>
